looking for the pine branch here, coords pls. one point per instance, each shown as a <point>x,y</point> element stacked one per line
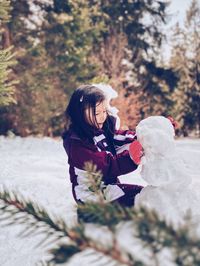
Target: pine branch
<point>13,207</point>
<point>94,181</point>
<point>109,214</point>
<point>7,89</point>
<point>154,233</point>
<point>5,8</point>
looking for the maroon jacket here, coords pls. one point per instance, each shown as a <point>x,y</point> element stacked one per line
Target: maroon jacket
<point>111,164</point>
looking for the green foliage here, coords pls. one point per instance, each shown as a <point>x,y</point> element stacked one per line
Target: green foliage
<point>68,28</point>
<point>74,42</point>
<point>7,89</point>
<point>144,38</point>
<point>100,79</point>
<point>5,9</point>
<point>53,59</point>
<point>64,253</point>
<point>94,179</point>
<point>186,61</point>
<point>109,214</point>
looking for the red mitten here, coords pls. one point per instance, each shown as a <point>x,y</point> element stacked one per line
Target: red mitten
<point>174,123</point>
<point>136,151</point>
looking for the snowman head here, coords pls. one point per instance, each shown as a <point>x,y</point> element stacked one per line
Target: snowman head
<point>156,135</point>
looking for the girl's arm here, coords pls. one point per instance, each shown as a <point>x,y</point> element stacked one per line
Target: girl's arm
<point>110,165</point>
<point>124,136</point>
<point>122,139</point>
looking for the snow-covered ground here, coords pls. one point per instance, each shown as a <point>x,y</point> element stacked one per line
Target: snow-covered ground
<point>37,168</point>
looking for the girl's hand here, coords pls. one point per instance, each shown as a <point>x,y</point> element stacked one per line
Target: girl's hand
<point>136,151</point>
<point>174,122</point>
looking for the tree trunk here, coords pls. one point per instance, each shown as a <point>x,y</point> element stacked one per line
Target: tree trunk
<point>6,40</point>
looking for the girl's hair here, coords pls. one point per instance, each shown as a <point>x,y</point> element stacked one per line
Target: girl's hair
<point>86,96</point>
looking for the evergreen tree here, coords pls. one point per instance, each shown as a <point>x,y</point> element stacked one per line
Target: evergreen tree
<point>140,22</point>
<point>73,42</point>
<point>179,62</point>
<point>186,61</point>
<point>7,89</point>
<point>192,117</point>
<point>40,101</point>
<point>53,60</point>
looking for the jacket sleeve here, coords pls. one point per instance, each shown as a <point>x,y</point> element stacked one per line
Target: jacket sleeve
<point>122,137</point>
<point>110,165</point>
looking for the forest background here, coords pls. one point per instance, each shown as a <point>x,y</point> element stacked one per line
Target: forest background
<point>48,48</point>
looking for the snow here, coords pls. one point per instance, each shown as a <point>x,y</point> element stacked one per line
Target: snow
<point>110,94</point>
<point>37,168</point>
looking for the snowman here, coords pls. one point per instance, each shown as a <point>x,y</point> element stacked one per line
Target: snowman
<point>169,190</point>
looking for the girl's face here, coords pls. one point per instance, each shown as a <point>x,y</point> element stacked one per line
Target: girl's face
<point>99,117</point>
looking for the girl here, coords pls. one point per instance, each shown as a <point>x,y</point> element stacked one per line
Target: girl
<point>91,136</point>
